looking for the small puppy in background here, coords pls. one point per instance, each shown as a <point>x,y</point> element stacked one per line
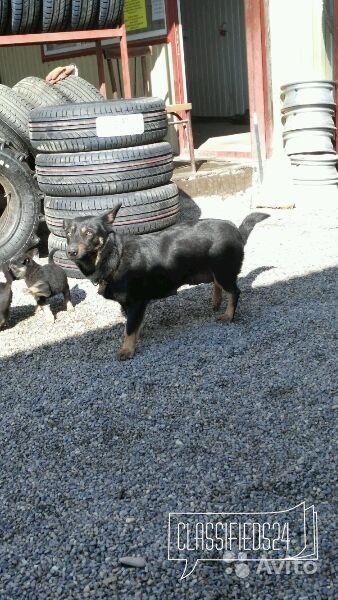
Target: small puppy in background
<point>5,296</point>
<point>42,281</point>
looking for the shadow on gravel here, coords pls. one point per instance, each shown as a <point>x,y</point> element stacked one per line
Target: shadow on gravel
<point>95,453</point>
<point>18,314</point>
<point>23,312</point>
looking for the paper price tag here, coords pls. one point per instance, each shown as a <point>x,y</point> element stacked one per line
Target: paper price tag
<point>119,125</point>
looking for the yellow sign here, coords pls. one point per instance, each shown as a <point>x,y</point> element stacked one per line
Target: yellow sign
<point>135,14</point>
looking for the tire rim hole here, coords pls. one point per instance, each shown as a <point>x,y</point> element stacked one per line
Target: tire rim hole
<point>3,204</point>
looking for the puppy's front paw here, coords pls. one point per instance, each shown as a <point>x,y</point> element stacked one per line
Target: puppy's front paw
<point>225,318</point>
<point>125,354</point>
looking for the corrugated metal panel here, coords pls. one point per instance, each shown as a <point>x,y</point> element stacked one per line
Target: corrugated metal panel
<point>215,64</point>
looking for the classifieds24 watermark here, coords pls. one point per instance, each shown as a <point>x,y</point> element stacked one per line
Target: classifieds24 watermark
<point>277,541</point>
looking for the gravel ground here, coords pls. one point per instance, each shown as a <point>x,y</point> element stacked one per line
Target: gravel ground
<point>206,417</point>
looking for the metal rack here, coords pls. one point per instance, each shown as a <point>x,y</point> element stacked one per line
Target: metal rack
<point>71,36</point>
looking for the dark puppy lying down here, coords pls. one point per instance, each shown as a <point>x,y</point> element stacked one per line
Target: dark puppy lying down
<point>136,269</point>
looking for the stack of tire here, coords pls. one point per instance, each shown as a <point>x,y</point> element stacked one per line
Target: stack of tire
<point>95,155</point>
<point>20,198</point>
<point>36,16</point>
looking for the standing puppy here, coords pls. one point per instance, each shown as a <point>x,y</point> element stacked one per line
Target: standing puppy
<point>136,269</point>
<point>5,296</point>
<point>42,281</point>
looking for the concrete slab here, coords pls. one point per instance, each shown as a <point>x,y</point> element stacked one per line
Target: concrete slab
<point>213,177</point>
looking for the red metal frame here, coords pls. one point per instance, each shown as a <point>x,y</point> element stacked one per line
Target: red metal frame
<point>257,72</point>
<point>70,36</point>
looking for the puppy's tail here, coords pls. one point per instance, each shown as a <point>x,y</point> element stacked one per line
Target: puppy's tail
<point>51,256</point>
<point>249,223</point>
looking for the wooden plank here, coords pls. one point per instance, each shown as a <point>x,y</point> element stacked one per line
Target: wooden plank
<point>100,69</point>
<point>170,108</point>
<point>125,64</point>
<point>59,37</point>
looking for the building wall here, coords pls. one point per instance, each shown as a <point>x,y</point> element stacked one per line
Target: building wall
<point>300,42</point>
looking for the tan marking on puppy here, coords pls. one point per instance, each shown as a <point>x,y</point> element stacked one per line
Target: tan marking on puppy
<point>81,247</point>
<point>98,257</point>
<point>216,296</point>
<point>128,347</point>
<point>228,315</point>
<point>39,289</point>
<point>99,246</point>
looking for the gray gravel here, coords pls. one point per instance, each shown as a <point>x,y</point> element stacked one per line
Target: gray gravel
<point>207,417</point>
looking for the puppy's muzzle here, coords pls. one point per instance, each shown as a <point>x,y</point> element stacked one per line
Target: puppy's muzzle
<point>72,252</point>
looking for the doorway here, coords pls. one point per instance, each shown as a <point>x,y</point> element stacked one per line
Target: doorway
<point>215,59</point>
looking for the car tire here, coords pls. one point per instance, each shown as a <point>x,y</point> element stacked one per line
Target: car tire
<point>11,138</point>
<point>73,128</point>
<point>37,92</point>
<point>19,218</point>
<point>76,89</point>
<point>84,14</point>
<point>14,112</point>
<point>25,15</point>
<point>105,172</point>
<point>141,212</point>
<point>55,15</point>
<point>110,12</point>
<point>4,16</point>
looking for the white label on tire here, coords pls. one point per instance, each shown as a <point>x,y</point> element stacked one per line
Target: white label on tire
<point>118,125</point>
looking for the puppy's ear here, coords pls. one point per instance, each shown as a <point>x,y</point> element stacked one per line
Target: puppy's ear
<point>109,217</point>
<point>32,252</point>
<point>66,223</point>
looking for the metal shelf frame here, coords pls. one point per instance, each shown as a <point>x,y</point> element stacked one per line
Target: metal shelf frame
<point>77,36</point>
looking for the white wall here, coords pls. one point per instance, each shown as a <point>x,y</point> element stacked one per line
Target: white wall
<point>298,31</point>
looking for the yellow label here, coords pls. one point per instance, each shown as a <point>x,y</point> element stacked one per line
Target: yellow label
<point>135,14</point>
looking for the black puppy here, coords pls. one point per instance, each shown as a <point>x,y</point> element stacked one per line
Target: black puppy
<point>136,269</point>
<point>5,296</point>
<point>42,281</point>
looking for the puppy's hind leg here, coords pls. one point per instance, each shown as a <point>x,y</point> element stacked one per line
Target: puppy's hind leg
<point>232,301</point>
<point>135,314</point>
<point>67,305</point>
<point>216,296</point>
<point>232,292</point>
<point>42,305</point>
